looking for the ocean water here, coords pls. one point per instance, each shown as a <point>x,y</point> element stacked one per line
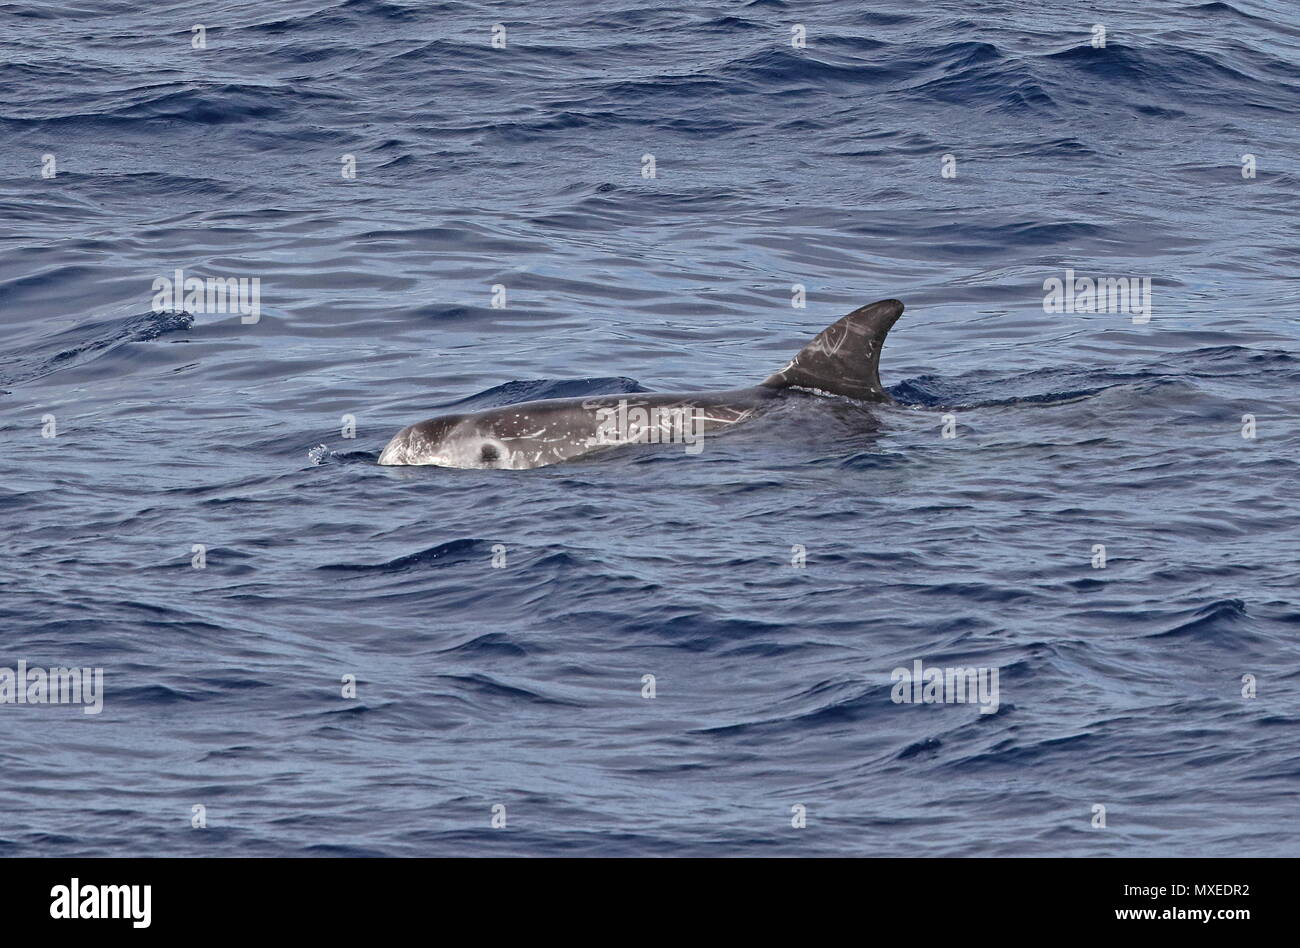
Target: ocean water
<point>500,625</point>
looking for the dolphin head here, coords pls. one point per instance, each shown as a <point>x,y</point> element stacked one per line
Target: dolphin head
<point>447,441</point>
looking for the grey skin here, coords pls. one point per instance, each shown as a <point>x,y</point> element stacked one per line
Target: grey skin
<point>843,359</point>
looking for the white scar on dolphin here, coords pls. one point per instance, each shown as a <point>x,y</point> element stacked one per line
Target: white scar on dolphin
<point>844,359</point>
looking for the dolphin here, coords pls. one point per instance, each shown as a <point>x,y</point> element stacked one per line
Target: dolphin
<point>843,359</point>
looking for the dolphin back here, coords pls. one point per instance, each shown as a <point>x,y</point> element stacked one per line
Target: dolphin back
<point>844,359</point>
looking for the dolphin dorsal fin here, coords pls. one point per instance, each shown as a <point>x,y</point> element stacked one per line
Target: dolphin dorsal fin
<point>844,359</point>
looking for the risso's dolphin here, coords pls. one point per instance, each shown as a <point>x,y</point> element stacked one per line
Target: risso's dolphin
<point>843,360</point>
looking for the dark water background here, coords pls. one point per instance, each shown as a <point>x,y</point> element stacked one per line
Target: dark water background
<point>522,685</point>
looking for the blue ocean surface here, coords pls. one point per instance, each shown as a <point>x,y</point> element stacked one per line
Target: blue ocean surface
<point>650,652</point>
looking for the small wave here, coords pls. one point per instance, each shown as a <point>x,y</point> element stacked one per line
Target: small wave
<point>83,343</point>
<point>1221,622</point>
<point>451,553</point>
<point>1046,387</point>
<point>1181,74</point>
<point>175,102</point>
